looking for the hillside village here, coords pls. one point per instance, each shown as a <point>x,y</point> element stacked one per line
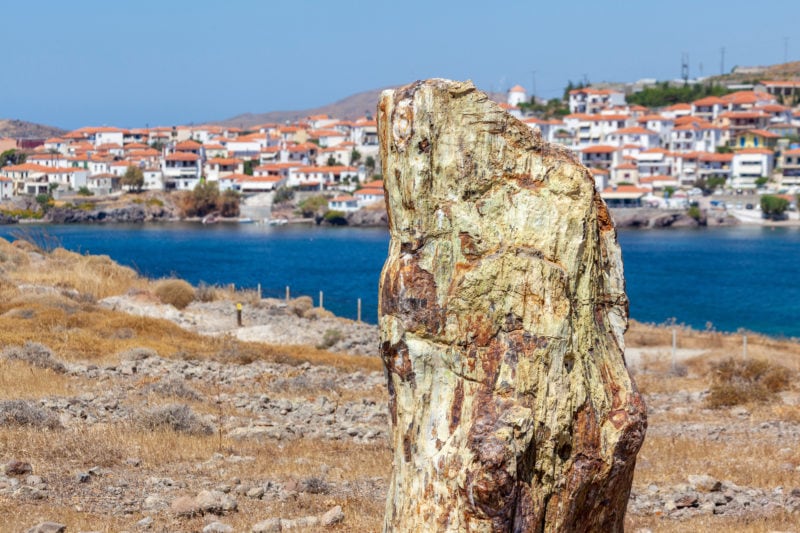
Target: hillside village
<point>744,140</point>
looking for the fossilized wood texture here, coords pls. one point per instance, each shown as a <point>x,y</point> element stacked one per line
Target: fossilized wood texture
<point>502,313</point>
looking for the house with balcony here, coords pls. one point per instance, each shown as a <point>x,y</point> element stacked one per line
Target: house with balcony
<point>219,167</point>
<point>327,176</point>
<point>6,188</point>
<point>624,196</point>
<point>257,184</point>
<point>658,123</point>
<point>345,203</point>
<point>600,156</point>
<point>592,101</point>
<point>106,183</point>
<point>369,196</point>
<point>790,175</point>
<point>749,164</point>
<point>747,100</point>
<point>181,170</point>
<point>755,139</point>
<point>654,162</point>
<point>708,108</point>
<point>786,92</point>
<point>635,135</point>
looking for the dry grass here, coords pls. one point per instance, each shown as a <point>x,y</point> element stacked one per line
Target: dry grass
<point>745,460</point>
<point>19,379</point>
<point>174,292</point>
<point>777,521</point>
<point>739,381</point>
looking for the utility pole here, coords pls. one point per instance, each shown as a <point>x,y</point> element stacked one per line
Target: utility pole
<point>722,61</point>
<point>685,67</point>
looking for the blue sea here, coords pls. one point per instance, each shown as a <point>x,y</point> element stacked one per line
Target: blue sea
<point>725,278</point>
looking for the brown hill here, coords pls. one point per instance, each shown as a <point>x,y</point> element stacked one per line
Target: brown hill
<point>781,71</point>
<point>350,108</point>
<point>19,129</point>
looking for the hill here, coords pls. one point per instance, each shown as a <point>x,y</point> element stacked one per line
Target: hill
<point>19,129</point>
<point>349,108</point>
<point>781,71</point>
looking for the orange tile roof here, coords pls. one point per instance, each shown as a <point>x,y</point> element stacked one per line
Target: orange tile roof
<point>26,167</point>
<point>182,156</point>
<point>763,151</point>
<point>599,149</point>
<point>794,151</point>
<point>343,198</point>
<point>224,161</point>
<point>635,130</point>
<point>653,179</point>
<point>188,145</point>
<point>679,107</point>
<point>764,133</point>
<point>369,192</point>
<point>326,169</point>
<point>709,101</point>
<point>655,118</point>
<point>627,188</point>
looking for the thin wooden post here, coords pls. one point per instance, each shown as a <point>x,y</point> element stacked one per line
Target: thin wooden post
<point>321,301</point>
<point>287,294</point>
<point>674,349</point>
<point>259,291</point>
<point>744,346</point>
<point>358,314</point>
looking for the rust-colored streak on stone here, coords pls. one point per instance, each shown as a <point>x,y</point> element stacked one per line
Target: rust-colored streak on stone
<point>604,221</point>
<point>455,407</point>
<point>502,313</point>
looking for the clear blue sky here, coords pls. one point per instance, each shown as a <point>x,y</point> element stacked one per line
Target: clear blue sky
<point>132,63</point>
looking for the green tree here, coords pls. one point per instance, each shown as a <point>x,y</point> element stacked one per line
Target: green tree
<point>332,162</point>
<point>248,167</point>
<point>760,182</point>
<point>133,178</point>
<point>369,162</point>
<point>314,206</point>
<point>204,198</point>
<point>355,156</point>
<point>12,157</point>
<point>773,206</point>
<point>228,203</point>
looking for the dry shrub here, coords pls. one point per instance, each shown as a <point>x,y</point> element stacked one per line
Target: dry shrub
<point>173,388</point>
<point>329,338</point>
<point>175,292</point>
<point>315,313</point>
<point>736,381</point>
<point>26,413</point>
<point>299,306</point>
<point>206,293</point>
<point>177,417</point>
<point>34,354</point>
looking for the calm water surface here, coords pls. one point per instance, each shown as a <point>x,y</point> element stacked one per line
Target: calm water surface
<point>730,278</point>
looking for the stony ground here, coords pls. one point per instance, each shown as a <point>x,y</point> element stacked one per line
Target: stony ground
<point>143,441</point>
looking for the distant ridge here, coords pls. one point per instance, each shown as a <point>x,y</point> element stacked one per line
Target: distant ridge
<point>19,129</point>
<point>350,108</point>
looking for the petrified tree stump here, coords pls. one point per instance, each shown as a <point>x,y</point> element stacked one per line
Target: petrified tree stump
<point>502,313</point>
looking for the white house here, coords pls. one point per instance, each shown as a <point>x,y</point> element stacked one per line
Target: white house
<point>749,164</point>
<point>635,135</point>
<point>344,203</point>
<point>104,183</point>
<point>591,101</point>
<point>6,188</point>
<point>181,170</point>
<point>107,136</point>
<point>368,196</point>
<point>219,167</point>
<point>153,179</point>
<point>326,176</point>
<point>516,95</point>
<point>256,184</point>
<point>600,156</point>
<point>654,162</point>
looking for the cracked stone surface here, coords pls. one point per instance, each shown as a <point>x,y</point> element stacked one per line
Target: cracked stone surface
<point>502,313</point>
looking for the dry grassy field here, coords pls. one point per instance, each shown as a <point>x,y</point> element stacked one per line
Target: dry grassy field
<point>120,416</point>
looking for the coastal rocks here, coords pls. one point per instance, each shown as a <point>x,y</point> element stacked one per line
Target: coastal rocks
<point>660,218</point>
<point>127,214</point>
<point>7,219</point>
<point>368,217</point>
<point>502,309</point>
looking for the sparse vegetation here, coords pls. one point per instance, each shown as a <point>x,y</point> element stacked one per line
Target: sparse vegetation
<point>741,381</point>
<point>773,206</point>
<point>175,292</point>
<point>666,94</point>
<point>26,413</point>
<point>331,337</point>
<point>175,417</point>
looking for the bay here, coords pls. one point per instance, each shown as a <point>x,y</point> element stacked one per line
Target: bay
<point>725,278</point>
